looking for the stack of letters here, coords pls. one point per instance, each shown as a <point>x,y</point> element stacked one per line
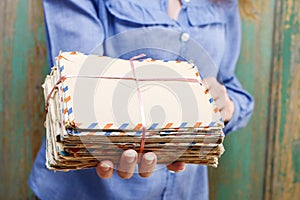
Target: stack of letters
<point>98,106</point>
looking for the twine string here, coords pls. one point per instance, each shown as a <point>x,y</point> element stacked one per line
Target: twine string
<point>50,94</point>
<point>140,104</point>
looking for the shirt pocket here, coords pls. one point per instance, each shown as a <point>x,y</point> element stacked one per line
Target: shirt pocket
<point>205,15</point>
<point>207,25</point>
<point>131,13</point>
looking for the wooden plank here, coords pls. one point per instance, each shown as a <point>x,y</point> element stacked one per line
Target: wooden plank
<point>283,163</point>
<point>23,66</point>
<point>241,171</point>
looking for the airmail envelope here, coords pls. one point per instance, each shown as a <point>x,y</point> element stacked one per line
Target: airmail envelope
<point>103,93</point>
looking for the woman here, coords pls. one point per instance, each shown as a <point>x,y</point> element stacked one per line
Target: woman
<point>80,25</point>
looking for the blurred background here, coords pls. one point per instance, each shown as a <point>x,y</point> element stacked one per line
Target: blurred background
<point>261,162</point>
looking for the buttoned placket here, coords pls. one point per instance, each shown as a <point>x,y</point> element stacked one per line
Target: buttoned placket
<point>167,194</point>
<point>183,39</point>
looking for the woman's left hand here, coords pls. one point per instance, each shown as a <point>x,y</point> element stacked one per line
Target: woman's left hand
<point>220,95</point>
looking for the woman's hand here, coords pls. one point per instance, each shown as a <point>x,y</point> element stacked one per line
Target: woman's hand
<point>128,161</point>
<point>219,93</point>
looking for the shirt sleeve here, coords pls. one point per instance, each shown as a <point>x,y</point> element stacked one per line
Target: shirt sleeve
<point>71,25</point>
<point>243,101</point>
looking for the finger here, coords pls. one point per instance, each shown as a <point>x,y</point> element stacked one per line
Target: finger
<point>229,109</point>
<point>215,88</point>
<point>218,91</point>
<point>105,169</point>
<point>209,82</point>
<point>176,167</point>
<point>221,107</point>
<point>127,164</point>
<point>221,104</point>
<point>225,107</point>
<point>147,165</point>
<point>206,83</point>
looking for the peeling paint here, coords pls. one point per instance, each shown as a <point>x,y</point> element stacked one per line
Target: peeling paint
<point>240,174</point>
<point>23,65</point>
<point>283,173</point>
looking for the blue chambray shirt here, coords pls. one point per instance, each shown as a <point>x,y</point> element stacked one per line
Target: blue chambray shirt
<point>202,26</point>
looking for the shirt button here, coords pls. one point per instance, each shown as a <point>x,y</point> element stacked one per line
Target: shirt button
<point>185,37</point>
<point>187,1</point>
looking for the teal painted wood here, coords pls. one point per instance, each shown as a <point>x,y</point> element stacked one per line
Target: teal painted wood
<point>241,171</point>
<point>23,67</point>
<point>283,167</point>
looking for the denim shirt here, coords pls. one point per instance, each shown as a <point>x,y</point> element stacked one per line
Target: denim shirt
<point>202,26</point>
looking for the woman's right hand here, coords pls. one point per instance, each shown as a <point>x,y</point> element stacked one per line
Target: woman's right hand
<point>127,163</point>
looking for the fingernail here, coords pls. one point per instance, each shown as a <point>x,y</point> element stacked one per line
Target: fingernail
<point>183,168</point>
<point>130,156</point>
<point>105,166</point>
<point>149,158</point>
<point>179,170</point>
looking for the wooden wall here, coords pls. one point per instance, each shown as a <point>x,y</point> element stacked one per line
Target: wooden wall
<point>22,69</point>
<point>241,171</point>
<point>283,143</point>
<point>261,161</point>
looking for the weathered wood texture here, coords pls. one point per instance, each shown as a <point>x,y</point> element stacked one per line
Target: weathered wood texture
<point>22,69</point>
<point>283,163</point>
<point>269,55</point>
<point>240,174</point>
